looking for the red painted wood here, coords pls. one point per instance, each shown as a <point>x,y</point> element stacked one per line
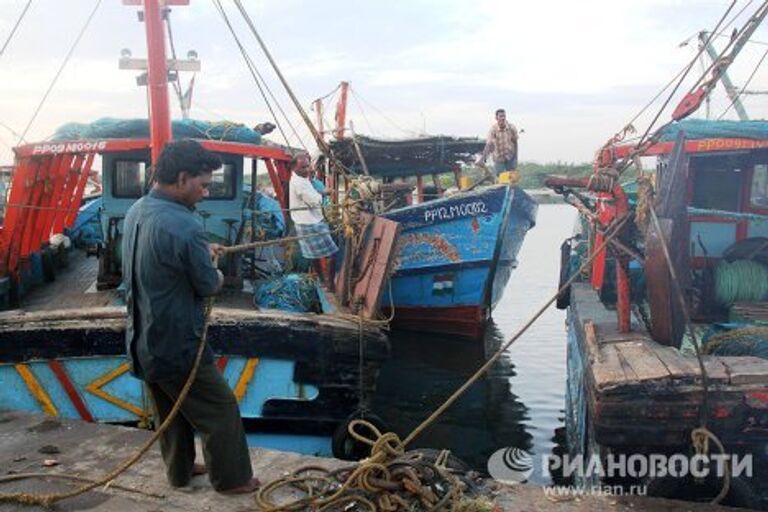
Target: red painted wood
<point>28,229</point>
<point>464,321</point>
<point>375,262</point>
<point>73,199</point>
<point>49,204</point>
<point>61,374</point>
<point>697,146</point>
<point>221,363</point>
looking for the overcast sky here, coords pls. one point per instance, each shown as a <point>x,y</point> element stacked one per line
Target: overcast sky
<point>570,73</point>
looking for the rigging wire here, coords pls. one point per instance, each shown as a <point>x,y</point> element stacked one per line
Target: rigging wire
<point>58,73</point>
<point>259,80</point>
<point>744,87</point>
<point>362,111</point>
<point>15,27</point>
<point>686,71</point>
<point>382,114</point>
<point>176,83</point>
<point>321,144</point>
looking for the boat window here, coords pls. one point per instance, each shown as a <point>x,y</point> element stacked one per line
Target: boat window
<point>223,183</point>
<point>758,197</point>
<point>717,183</point>
<point>129,178</point>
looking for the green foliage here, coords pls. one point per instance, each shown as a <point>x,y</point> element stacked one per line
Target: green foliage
<point>532,175</point>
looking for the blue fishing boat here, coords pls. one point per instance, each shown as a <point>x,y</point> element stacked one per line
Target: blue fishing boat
<point>457,248</point>
<point>455,257</point>
<point>62,349</point>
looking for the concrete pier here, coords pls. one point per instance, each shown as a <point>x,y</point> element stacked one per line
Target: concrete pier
<point>92,450</point>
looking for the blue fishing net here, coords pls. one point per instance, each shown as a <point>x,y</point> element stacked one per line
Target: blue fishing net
<point>290,292</point>
<point>111,128</point>
<point>707,129</point>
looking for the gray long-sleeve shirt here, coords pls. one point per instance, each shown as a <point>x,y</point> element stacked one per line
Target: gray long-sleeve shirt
<point>167,271</point>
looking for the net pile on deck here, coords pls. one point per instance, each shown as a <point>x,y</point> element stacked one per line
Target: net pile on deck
<point>408,157</point>
<point>290,292</point>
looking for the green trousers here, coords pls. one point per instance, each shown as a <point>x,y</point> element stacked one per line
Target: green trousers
<point>210,409</point>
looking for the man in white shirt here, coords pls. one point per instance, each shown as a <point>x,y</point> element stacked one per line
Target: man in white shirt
<point>305,203</point>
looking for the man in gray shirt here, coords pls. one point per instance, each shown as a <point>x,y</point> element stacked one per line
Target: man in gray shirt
<point>168,273</point>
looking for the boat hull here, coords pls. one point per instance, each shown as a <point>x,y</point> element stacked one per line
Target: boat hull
<point>287,371</point>
<point>454,258</point>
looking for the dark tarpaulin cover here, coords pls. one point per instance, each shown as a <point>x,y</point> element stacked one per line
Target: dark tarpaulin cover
<point>409,157</point>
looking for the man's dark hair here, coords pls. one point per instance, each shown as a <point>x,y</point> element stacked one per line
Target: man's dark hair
<point>295,160</point>
<point>500,111</point>
<point>185,155</point>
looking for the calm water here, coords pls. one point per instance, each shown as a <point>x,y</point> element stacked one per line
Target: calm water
<point>520,402</point>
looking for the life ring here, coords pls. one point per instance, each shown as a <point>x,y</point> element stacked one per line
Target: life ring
<point>345,447</point>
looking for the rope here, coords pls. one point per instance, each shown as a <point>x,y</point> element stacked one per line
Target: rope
<point>700,438</point>
<point>46,500</point>
<point>58,73</point>
<point>698,435</point>
<point>257,78</point>
<point>387,447</point>
<point>15,26</point>
<point>740,281</point>
<point>714,342</point>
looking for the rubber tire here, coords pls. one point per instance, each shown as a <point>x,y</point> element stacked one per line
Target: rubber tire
<point>345,447</point>
<point>564,298</point>
<point>740,493</point>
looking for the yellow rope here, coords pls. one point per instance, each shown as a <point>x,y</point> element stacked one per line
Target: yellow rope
<point>715,341</point>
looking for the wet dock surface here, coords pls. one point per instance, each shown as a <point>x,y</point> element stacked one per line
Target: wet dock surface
<point>92,450</point>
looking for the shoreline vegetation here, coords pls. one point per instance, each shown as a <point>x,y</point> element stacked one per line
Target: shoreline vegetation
<point>532,176</point>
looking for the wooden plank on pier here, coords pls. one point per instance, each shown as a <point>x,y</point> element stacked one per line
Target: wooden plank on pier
<point>606,367</point>
<point>746,370</point>
<point>644,362</point>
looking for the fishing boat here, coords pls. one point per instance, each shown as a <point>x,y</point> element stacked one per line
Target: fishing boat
<point>457,248</point>
<point>667,314</point>
<point>62,349</point>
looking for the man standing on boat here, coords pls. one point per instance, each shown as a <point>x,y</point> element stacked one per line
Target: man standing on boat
<point>305,203</point>
<point>502,143</point>
<point>168,273</point>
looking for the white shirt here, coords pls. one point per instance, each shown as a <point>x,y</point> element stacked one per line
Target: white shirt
<point>301,195</point>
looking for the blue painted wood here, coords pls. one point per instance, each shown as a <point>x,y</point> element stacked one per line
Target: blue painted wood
<point>460,250</point>
<point>272,379</point>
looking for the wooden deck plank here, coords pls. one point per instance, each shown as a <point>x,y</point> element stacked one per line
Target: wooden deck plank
<point>746,370</point>
<point>643,361</point>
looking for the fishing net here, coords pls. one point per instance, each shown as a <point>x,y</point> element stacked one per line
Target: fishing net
<point>111,128</point>
<point>706,129</point>
<point>290,292</point>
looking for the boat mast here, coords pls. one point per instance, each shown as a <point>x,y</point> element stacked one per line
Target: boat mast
<point>157,77</point>
<point>341,111</point>
<point>730,89</point>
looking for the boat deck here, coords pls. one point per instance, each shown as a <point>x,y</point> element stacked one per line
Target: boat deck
<point>642,392</point>
<point>75,288</point>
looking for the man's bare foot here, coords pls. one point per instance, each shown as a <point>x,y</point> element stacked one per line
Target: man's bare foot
<point>246,488</point>
<point>199,469</point>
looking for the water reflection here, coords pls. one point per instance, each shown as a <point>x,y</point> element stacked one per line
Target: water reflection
<point>425,370</point>
<point>520,402</point>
